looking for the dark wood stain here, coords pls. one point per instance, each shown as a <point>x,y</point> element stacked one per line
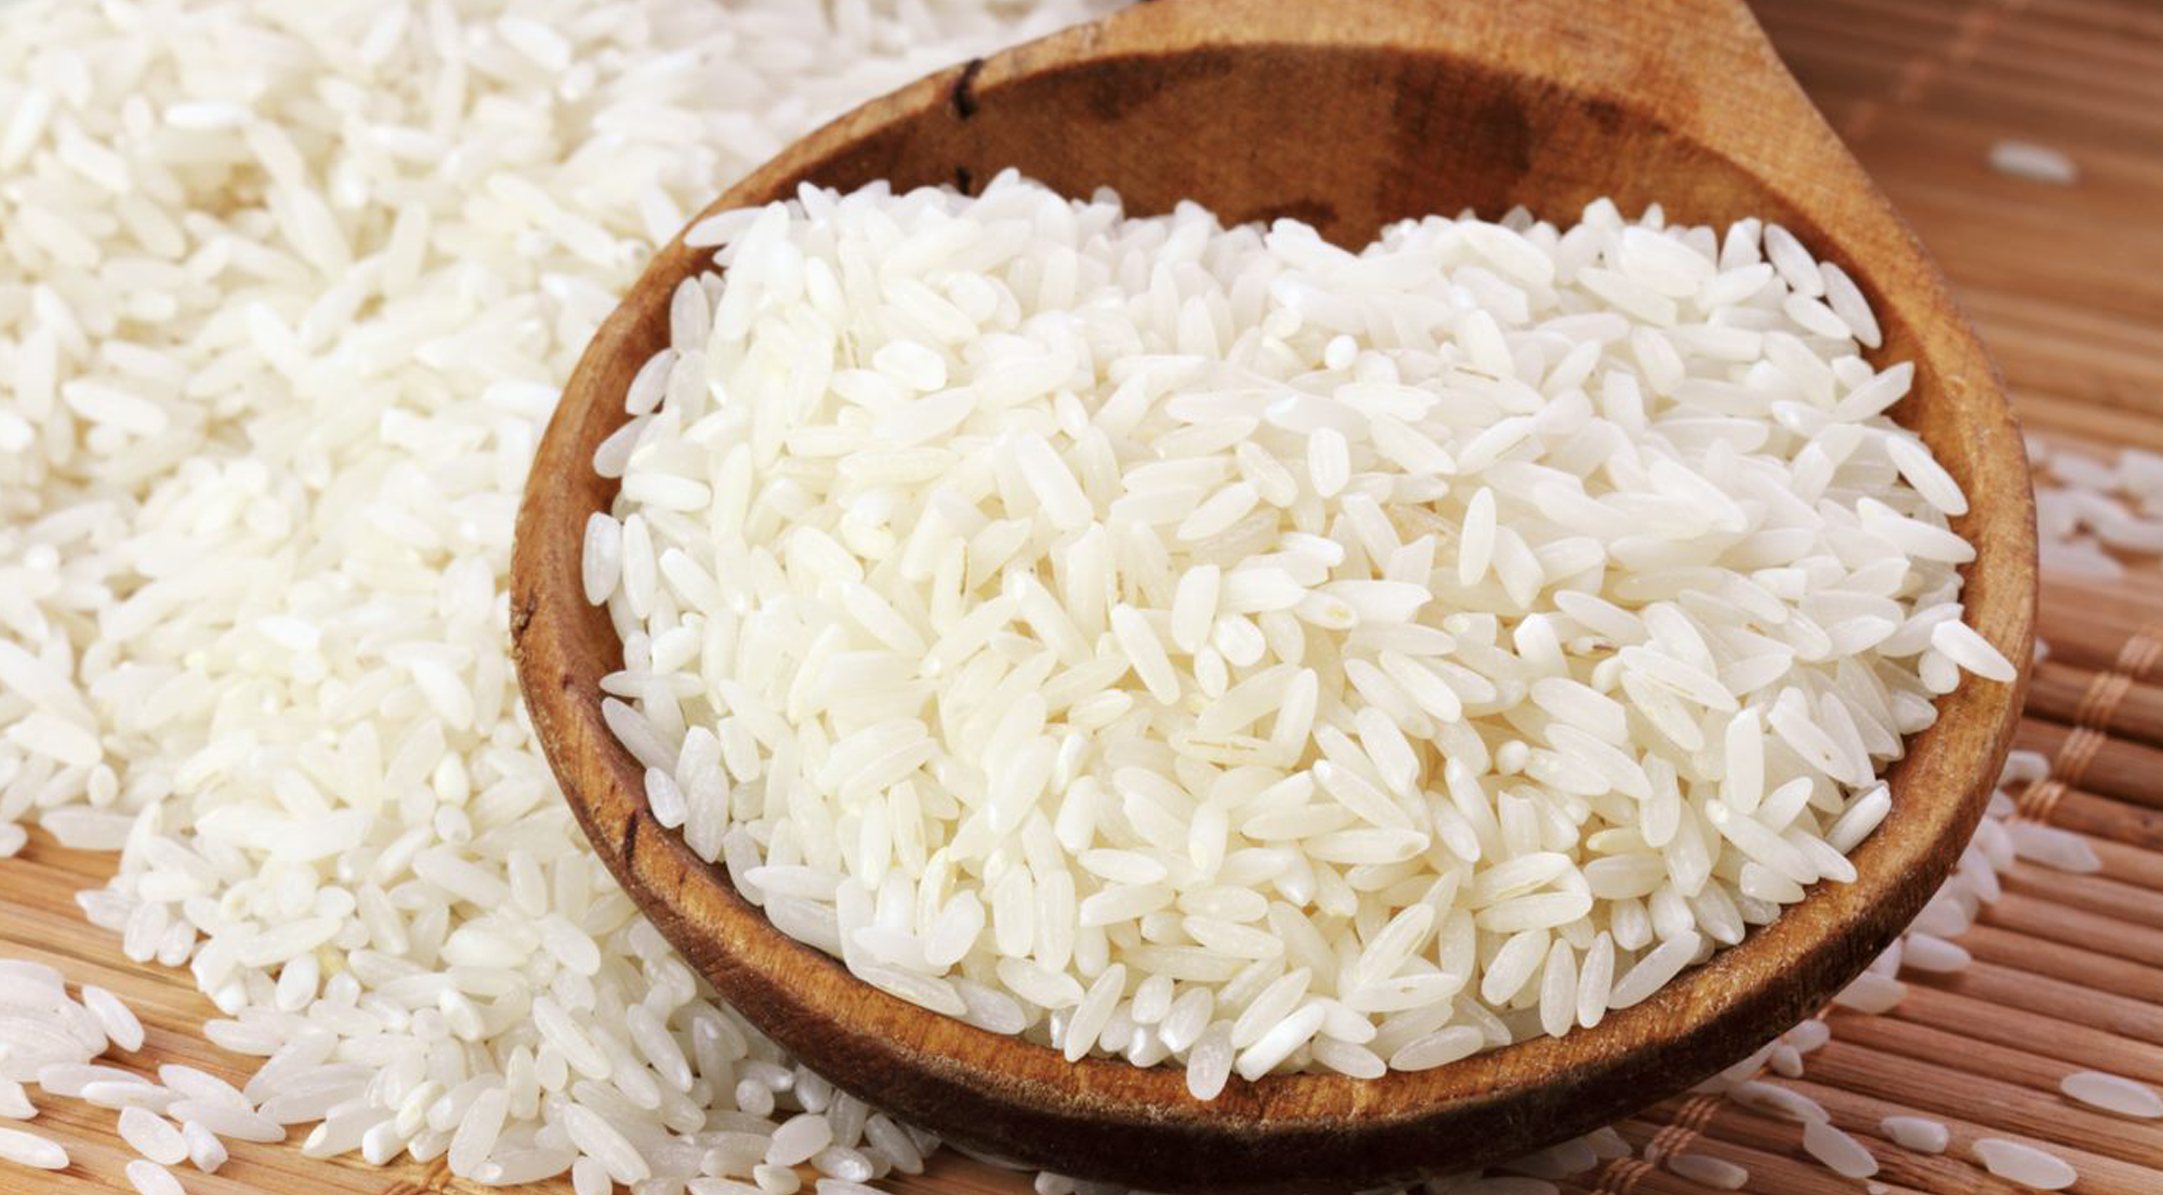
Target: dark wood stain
<point>963,99</point>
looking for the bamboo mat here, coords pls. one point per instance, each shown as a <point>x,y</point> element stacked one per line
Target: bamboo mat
<point>2066,284</point>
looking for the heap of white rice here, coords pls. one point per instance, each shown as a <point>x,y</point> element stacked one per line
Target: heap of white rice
<point>286,291</point>
<point>1212,644</point>
<point>285,288</point>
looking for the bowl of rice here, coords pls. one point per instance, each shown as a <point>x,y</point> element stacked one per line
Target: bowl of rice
<point>1142,655</point>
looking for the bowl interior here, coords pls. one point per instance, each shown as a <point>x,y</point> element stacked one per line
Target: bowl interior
<point>1347,139</point>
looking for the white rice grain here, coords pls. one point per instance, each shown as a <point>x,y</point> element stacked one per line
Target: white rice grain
<point>2029,160</point>
<point>1717,1173</point>
<point>1843,1154</point>
<point>152,1136</point>
<point>2112,1093</point>
<point>2017,1162</point>
<point>149,1178</point>
<point>1917,1133</point>
<point>29,1149</point>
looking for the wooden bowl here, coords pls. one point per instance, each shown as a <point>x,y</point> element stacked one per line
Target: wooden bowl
<point>1346,116</point>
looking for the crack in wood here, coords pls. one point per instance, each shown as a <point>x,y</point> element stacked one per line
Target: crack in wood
<point>963,97</point>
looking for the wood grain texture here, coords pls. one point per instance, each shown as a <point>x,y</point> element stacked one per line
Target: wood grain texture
<point>1347,118</point>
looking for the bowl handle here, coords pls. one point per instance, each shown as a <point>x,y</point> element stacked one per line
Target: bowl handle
<point>1704,66</point>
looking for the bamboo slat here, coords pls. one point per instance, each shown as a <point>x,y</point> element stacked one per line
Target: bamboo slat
<point>2068,922</point>
<point>1771,1149</point>
<point>2098,617</point>
<point>2108,700</point>
<point>2130,826</point>
<point>1860,1097</point>
<point>1896,1039</point>
<point>2051,997</point>
<point>2088,628</point>
<point>2116,768</point>
<point>1737,1134</point>
<point>2097,894</point>
<point>2125,863</point>
<point>1982,1020</point>
<point>2040,956</point>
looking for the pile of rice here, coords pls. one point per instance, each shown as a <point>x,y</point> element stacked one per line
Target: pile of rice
<point>288,289</point>
<point>1214,645</point>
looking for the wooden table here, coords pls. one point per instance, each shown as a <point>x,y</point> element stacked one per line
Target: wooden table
<point>2066,283</point>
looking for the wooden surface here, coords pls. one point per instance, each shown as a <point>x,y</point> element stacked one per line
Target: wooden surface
<point>2066,285</point>
<point>1349,117</point>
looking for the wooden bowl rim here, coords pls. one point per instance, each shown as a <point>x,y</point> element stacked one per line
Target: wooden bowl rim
<point>1834,931</point>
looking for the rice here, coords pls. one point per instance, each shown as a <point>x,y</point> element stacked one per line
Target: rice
<point>1917,1133</point>
<point>1842,1154</point>
<point>1964,647</point>
<point>152,1136</point>
<point>1095,1011</point>
<point>129,1094</point>
<point>1793,261</point>
<point>1928,952</point>
<point>205,1151</point>
<point>149,1178</point>
<point>201,1086</point>
<point>2021,1163</point>
<point>1595,980</point>
<point>1717,1173</point>
<point>1853,310</point>
<point>603,1142</point>
<point>1872,993</point>
<point>1651,972</point>
<point>1281,594</point>
<point>798,1139</point>
<point>478,1130</point>
<point>419,273</point>
<point>1437,1049</point>
<point>330,553</point>
<point>29,1149</point>
<point>2026,159</point>
<point>601,557</point>
<point>2113,1093</point>
<point>74,1079</point>
<point>114,1017</point>
<point>1209,1061</point>
<point>1781,1101</point>
<point>2053,847</point>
